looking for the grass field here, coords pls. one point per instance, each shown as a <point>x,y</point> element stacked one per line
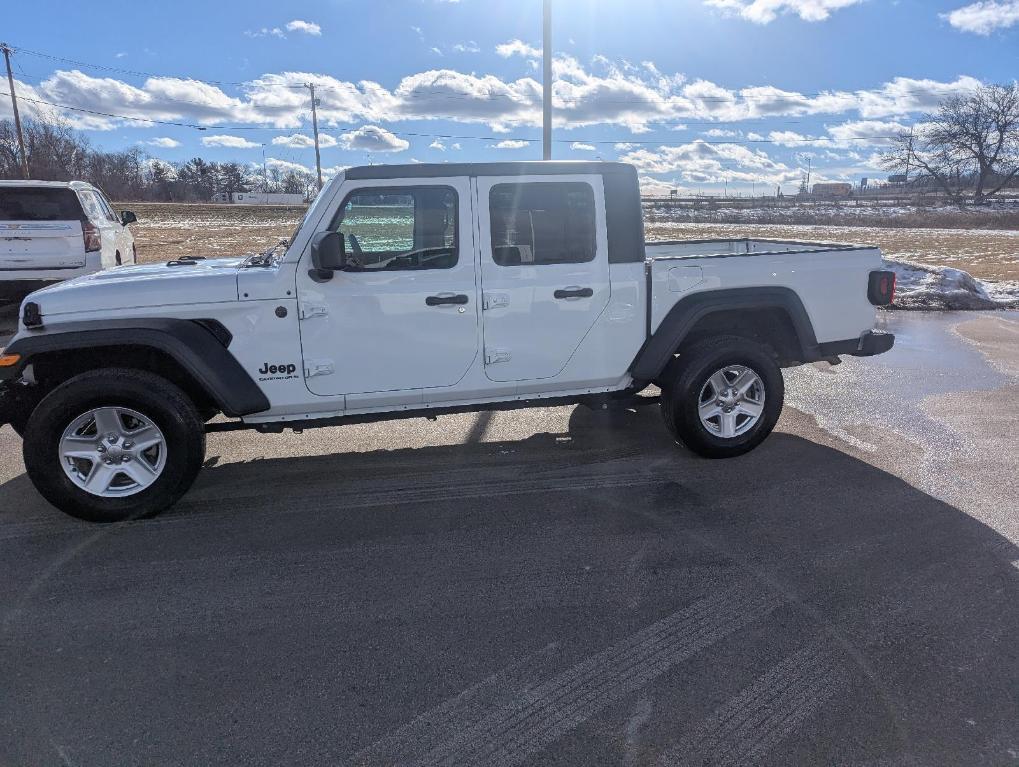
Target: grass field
<point>167,231</point>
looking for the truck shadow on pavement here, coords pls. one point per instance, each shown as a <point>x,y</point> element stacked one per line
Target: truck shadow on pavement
<point>591,597</point>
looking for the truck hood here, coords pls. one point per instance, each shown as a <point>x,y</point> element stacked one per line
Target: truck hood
<point>128,287</point>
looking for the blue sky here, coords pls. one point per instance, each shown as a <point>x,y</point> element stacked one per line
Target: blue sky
<point>698,94</point>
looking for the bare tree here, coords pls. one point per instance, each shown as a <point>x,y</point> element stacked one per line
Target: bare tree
<point>970,143</point>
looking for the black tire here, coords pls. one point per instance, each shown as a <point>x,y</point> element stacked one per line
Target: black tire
<point>686,376</point>
<point>157,399</point>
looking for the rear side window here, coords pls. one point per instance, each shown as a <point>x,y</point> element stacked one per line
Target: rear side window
<point>92,207</point>
<point>38,204</point>
<point>542,223</point>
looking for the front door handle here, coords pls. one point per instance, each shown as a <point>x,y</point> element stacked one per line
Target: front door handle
<point>574,293</point>
<point>447,300</point>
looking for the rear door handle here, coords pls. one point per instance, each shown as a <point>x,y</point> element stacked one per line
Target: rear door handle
<point>574,293</point>
<point>446,300</point>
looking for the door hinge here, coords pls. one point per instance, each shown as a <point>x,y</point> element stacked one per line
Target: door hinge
<point>495,356</point>
<point>494,300</point>
<point>314,368</point>
<point>309,310</point>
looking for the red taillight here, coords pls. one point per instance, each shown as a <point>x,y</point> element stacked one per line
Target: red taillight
<point>881,288</point>
<point>93,238</point>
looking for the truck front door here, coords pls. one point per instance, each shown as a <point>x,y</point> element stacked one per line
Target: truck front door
<point>405,317</point>
<point>544,271</point>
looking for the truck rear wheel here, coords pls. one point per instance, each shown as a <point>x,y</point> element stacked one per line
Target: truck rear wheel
<point>722,397</point>
<point>115,444</point>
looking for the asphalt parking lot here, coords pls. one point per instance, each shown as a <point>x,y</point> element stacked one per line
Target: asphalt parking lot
<point>551,587</point>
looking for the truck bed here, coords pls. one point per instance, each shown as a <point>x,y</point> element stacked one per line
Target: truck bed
<point>829,279</point>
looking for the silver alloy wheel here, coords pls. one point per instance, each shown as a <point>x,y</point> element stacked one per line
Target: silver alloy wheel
<point>113,452</point>
<point>731,401</point>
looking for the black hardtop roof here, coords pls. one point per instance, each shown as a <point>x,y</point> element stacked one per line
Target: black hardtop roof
<point>536,168</point>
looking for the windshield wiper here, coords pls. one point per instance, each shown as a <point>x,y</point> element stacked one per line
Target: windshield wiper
<point>266,259</point>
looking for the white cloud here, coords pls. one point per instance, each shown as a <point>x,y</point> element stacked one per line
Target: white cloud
<point>231,142</point>
<point>794,140</point>
<point>511,144</point>
<point>285,166</point>
<point>163,142</point>
<point>867,132</point>
<point>518,48</point>
<point>629,96</point>
<point>304,27</point>
<point>437,145</point>
<point>469,47</point>
<point>652,187</point>
<point>766,11</point>
<point>624,146</point>
<point>985,16</point>
<point>265,32</point>
<point>373,138</point>
<point>301,141</point>
<point>699,162</point>
<point>580,146</point>
<point>721,133</point>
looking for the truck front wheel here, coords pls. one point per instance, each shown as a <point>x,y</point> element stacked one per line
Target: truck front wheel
<point>722,397</point>
<point>114,444</point>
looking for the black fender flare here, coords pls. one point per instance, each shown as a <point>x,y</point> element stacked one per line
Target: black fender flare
<point>659,348</point>
<point>200,347</point>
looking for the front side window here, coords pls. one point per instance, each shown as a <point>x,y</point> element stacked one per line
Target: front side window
<point>542,223</point>
<point>404,228</point>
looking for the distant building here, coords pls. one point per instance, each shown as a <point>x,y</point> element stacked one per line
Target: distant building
<point>833,190</point>
<point>259,198</point>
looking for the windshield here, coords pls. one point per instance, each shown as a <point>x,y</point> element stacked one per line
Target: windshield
<point>316,206</point>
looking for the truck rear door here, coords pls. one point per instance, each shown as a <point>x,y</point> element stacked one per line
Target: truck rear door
<point>40,228</point>
<point>544,270</point>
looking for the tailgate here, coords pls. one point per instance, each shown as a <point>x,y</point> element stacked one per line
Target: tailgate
<point>30,245</point>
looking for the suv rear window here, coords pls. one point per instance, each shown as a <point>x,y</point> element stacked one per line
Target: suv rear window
<point>39,204</point>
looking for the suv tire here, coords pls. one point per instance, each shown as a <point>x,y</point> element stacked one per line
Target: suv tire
<point>701,402</point>
<point>83,430</point>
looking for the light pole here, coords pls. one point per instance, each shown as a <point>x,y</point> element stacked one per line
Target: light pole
<point>546,117</point>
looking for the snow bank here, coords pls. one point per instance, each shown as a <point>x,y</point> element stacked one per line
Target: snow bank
<point>942,287</point>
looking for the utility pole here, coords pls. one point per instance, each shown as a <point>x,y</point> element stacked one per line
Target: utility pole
<point>14,104</point>
<point>314,124</point>
<point>546,81</point>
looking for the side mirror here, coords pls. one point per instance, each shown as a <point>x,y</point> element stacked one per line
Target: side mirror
<point>127,217</point>
<point>328,255</point>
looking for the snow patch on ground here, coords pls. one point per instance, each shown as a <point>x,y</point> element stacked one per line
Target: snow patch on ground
<point>942,287</point>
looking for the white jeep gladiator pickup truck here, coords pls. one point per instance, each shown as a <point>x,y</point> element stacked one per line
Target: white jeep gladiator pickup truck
<point>421,290</point>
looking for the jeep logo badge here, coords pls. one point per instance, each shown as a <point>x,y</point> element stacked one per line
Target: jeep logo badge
<point>281,371</point>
